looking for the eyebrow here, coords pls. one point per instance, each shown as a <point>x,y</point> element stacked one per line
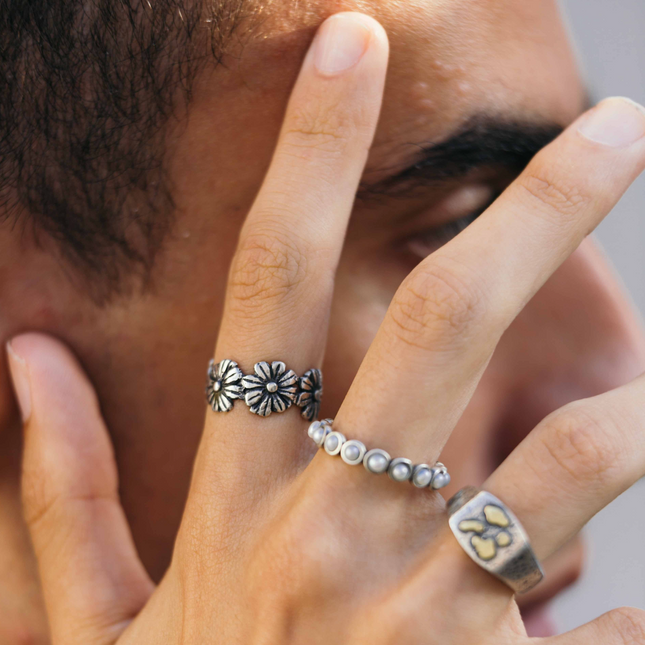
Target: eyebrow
<point>483,142</point>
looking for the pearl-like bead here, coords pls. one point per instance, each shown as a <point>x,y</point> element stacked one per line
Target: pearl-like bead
<point>352,452</point>
<point>312,428</point>
<point>331,443</point>
<point>376,461</point>
<point>272,387</point>
<point>422,475</point>
<point>334,442</point>
<point>319,434</point>
<point>440,480</point>
<point>400,469</point>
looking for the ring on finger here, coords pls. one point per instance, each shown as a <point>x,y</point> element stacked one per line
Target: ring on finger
<point>272,388</point>
<point>376,461</point>
<point>493,538</point>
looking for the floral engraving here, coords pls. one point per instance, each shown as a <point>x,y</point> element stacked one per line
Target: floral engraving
<point>224,385</point>
<point>311,390</point>
<point>272,388</point>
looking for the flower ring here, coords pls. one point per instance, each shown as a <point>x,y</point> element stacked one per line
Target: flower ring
<point>224,385</point>
<point>273,388</point>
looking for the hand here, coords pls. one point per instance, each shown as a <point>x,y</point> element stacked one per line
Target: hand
<point>278,548</point>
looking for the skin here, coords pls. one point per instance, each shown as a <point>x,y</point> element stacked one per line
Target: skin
<point>148,362</point>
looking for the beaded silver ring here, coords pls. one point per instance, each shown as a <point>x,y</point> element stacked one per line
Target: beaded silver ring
<point>376,461</point>
<point>272,388</point>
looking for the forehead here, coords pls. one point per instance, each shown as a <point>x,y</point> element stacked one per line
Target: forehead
<point>452,59</point>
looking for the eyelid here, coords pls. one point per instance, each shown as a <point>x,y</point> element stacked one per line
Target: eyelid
<point>457,211</point>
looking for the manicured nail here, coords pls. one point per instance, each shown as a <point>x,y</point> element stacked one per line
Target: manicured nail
<point>20,377</point>
<point>340,43</point>
<point>616,122</point>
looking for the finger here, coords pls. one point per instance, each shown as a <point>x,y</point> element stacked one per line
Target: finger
<point>448,315</point>
<point>282,276</point>
<point>568,468</point>
<point>624,626</point>
<point>574,463</point>
<point>92,579</point>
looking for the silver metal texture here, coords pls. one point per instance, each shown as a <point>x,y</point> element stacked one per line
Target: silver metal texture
<point>311,391</point>
<point>422,476</point>
<point>352,452</point>
<point>320,434</point>
<point>333,443</point>
<point>400,469</point>
<point>272,388</point>
<point>440,476</point>
<point>376,460</point>
<point>223,385</point>
<point>493,537</point>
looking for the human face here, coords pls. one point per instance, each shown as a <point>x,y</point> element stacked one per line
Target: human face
<point>454,62</point>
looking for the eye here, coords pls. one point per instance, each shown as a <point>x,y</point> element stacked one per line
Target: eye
<point>459,209</point>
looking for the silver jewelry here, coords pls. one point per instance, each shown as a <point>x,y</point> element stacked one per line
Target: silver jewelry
<point>376,461</point>
<point>224,385</point>
<point>493,537</point>
<point>272,388</point>
<point>311,390</point>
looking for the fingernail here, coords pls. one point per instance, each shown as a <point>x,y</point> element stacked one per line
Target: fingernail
<point>340,43</point>
<point>616,122</point>
<point>20,377</point>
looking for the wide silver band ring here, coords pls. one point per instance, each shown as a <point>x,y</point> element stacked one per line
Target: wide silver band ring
<point>271,388</point>
<point>493,537</point>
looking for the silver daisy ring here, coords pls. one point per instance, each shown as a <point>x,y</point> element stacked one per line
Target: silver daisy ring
<point>272,388</point>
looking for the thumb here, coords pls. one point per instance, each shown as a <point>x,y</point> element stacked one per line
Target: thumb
<point>93,581</point>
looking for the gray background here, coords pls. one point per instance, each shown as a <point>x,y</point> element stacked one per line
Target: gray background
<point>610,37</point>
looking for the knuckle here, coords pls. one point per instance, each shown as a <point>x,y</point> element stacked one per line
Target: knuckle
<point>581,442</point>
<point>267,269</point>
<point>545,186</point>
<point>435,305</point>
<point>628,623</point>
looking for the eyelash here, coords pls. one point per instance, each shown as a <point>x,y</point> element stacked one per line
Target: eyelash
<point>426,242</point>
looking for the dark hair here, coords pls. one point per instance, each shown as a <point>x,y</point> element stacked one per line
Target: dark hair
<point>88,89</point>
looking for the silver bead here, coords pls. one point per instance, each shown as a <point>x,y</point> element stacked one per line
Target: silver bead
<point>352,452</point>
<point>376,461</point>
<point>422,475</point>
<point>313,427</point>
<point>440,480</point>
<point>334,442</point>
<point>400,469</point>
<point>320,433</point>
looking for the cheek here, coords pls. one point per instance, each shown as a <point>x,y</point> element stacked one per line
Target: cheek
<point>361,299</point>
